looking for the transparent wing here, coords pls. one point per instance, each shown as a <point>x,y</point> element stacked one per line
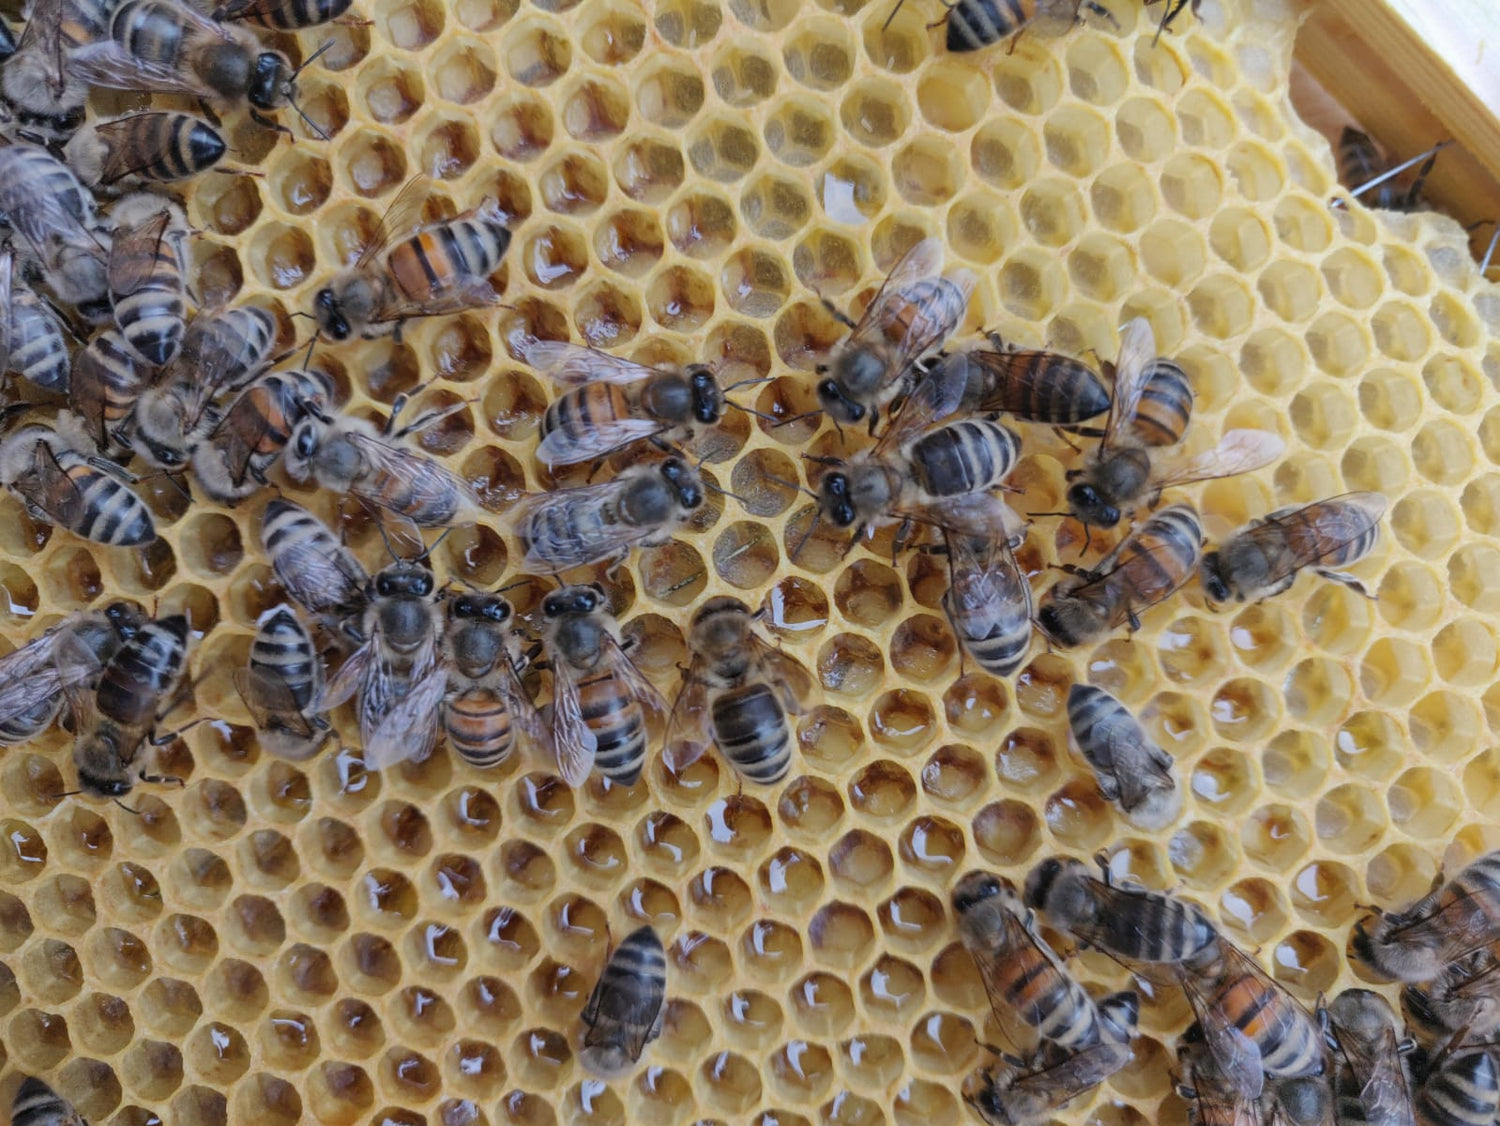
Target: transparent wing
<point>1327,526</point>
<point>591,539</point>
<point>119,161</point>
<point>1053,17</point>
<point>523,712</point>
<point>401,218</point>
<point>603,439</point>
<point>688,734</point>
<point>270,702</point>
<point>408,729</point>
<point>1235,1054</point>
<point>982,515</point>
<point>43,35</point>
<point>1137,350</point>
<point>572,741</point>
<point>575,364</point>
<point>343,684</point>
<point>796,684</point>
<point>132,255</point>
<point>936,394</point>
<point>643,690</point>
<point>71,653</point>
<point>49,488</point>
<point>1238,451</point>
<point>426,482</point>
<point>921,262</point>
<point>40,669</point>
<point>7,263</point>
<point>1385,1094</point>
<point>109,64</point>
<point>463,293</point>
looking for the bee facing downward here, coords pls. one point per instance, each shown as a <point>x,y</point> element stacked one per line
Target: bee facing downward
<point>624,1012</point>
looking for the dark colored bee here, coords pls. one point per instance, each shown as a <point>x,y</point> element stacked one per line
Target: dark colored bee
<point>284,676</point>
<point>282,15</point>
<point>1464,1090</point>
<point>1364,172</point>
<point>1418,944</point>
<point>60,480</point>
<point>156,146</point>
<point>1131,770</point>
<point>624,1013</point>
<point>37,1104</point>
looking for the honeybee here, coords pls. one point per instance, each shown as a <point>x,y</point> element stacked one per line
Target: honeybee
<point>1145,568</point>
<point>1123,920</point>
<point>1132,771</point>
<point>1362,170</point>
<point>221,350</point>
<point>35,79</point>
<point>316,570</point>
<point>53,477</point>
<point>31,339</point>
<point>32,678</point>
<point>104,386</point>
<point>973,24</point>
<point>231,463</point>
<point>432,269</point>
<point>1021,973</point>
<point>44,203</point>
<point>1148,411</point>
<point>735,694</point>
<point>1211,1100</point>
<point>115,719</point>
<point>396,675</point>
<point>643,506</point>
<point>988,602</point>
<point>284,676</point>
<point>156,146</point>
<point>37,1104</point>
<point>1001,1095</point>
<point>486,701</point>
<point>283,15</point>
<point>145,277</point>
<point>599,697</point>
<point>1463,1090</point>
<point>1455,919</point>
<point>624,1012</point>
<point>612,403</point>
<point>1263,558</point>
<point>1464,998</point>
<point>915,310</point>
<point>166,47</point>
<point>1365,1038</point>
<point>1036,386</point>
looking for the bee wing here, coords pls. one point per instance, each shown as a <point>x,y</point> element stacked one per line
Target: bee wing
<point>402,216</point>
<point>794,682</point>
<point>109,64</point>
<point>1385,1094</point>
<point>601,440</point>
<point>592,540</point>
<point>936,394</point>
<point>1340,520</point>
<point>457,296</point>
<point>1053,17</point>
<point>49,488</point>
<point>642,689</point>
<point>1136,768</point>
<point>119,160</point>
<point>1137,350</point>
<point>981,515</point>
<point>523,712</point>
<point>572,741</point>
<point>631,1024</point>
<point>407,730</point>
<point>7,264</point>
<point>132,255</point>
<point>1238,451</point>
<point>39,670</point>
<point>426,481</point>
<point>344,683</point>
<point>575,364</point>
<point>42,34</point>
<point>926,328</point>
<point>1074,1073</point>
<point>1234,1053</point>
<point>270,701</point>
<point>70,657</point>
<point>688,734</point>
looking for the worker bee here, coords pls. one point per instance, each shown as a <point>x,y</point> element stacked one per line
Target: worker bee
<point>735,694</point>
<point>599,697</point>
<point>1035,386</point>
<point>1021,973</point>
<point>36,81</point>
<point>352,457</point>
<point>115,719</point>
<point>1456,919</point>
<point>156,146</point>
<point>1463,1090</point>
<point>1211,1100</point>
<point>53,213</point>
<point>643,506</point>
<point>1145,568</point>
<point>973,24</point>
<point>221,351</point>
<point>1365,1038</point>
<point>31,339</point>
<point>316,570</point>
<point>624,1012</point>
<point>1003,1095</point>
<point>1362,170</point>
<point>1149,411</point>
<point>37,1104</point>
<point>1132,771</point>
<point>988,602</point>
<point>282,15</point>
<point>33,677</point>
<point>53,477</point>
<point>104,386</point>
<point>1263,558</point>
<point>612,403</point>
<point>1122,920</point>
<point>486,701</point>
<point>1464,998</point>
<point>915,310</point>
<point>232,461</point>
<point>283,677</point>
<point>395,676</point>
<point>166,47</point>
<point>145,277</point>
<point>432,269</point>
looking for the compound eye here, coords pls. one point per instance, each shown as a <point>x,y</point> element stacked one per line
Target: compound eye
<point>463,607</point>
<point>307,441</point>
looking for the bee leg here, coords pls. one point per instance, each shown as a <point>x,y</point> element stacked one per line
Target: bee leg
<point>267,123</point>
<point>1063,434</point>
<point>1343,578</point>
<point>163,779</point>
<point>1133,621</point>
<point>1098,10</point>
<point>593,469</point>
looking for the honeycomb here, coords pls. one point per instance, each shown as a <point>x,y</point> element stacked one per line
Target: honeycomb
<point>277,943</point>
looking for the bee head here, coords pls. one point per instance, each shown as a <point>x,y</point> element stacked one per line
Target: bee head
<point>126,617</point>
<point>1089,506</point>
<point>1211,574</point>
<point>839,406</point>
<point>573,600</point>
<point>329,317</point>
<point>684,481</point>
<point>975,888</point>
<point>486,607</point>
<point>833,492</point>
<point>708,399</point>
<point>405,580</point>
<point>270,80</point>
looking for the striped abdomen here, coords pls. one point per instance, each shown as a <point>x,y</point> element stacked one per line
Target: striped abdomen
<point>560,536</point>
<point>1166,406</point>
<point>283,15</point>
<point>233,343</point>
<point>752,732</point>
<point>618,723</point>
<point>81,22</point>
<point>266,413</point>
<point>1289,1041</point>
<point>1037,386</point>
<point>1465,910</point>
<point>623,1008</point>
<point>579,410</point>
<point>108,511</point>
<point>160,146</point>
<point>150,312</point>
<point>1357,158</point>
<point>973,24</point>
<point>1335,532</point>
<point>106,382</point>
<point>143,672</point>
<point>30,173</point>
<point>1044,995</point>
<point>283,650</point>
<point>941,302</point>
<point>37,1104</point>
<point>1157,558</point>
<point>1465,1091</point>
<point>479,727</point>
<point>38,350</point>
<point>963,457</point>
<point>432,262</point>
<point>151,30</point>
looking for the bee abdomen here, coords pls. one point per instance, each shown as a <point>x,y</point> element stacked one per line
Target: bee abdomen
<point>294,15</point>
<point>1166,406</point>
<point>105,370</point>
<point>148,29</point>
<point>618,724</point>
<point>1464,1092</point>
<point>151,320</point>
<point>579,410</point>
<point>27,726</point>
<point>37,1104</point>
<point>282,646</point>
<point>973,24</point>
<point>109,513</point>
<point>964,457</point>
<point>479,727</point>
<point>37,348</point>
<point>143,670</point>
<point>179,145</point>
<point>751,729</point>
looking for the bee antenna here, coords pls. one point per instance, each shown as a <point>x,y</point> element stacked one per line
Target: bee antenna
<point>66,794</point>
<point>123,806</point>
<point>1489,254</point>
<point>811,528</point>
<point>307,62</point>
<point>749,383</point>
<point>762,415</point>
<point>707,484</point>
<point>798,418</point>
<point>886,26</point>
<point>427,555</point>
<point>789,484</point>
<point>311,344</point>
<point>524,580</point>
<point>816,460</point>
